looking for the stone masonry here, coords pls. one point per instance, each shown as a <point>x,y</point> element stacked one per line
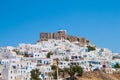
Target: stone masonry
<point>61,34</point>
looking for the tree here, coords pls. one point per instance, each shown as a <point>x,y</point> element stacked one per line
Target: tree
<point>90,48</point>
<point>79,70</point>
<point>49,54</point>
<point>26,54</point>
<point>53,67</point>
<point>73,70</point>
<point>90,65</point>
<point>35,74</point>
<point>117,65</point>
<point>54,74</point>
<point>16,51</point>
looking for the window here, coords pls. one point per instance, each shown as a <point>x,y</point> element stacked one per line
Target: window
<point>61,63</point>
<point>76,57</point>
<point>14,67</point>
<point>79,56</point>
<point>72,57</point>
<point>39,61</point>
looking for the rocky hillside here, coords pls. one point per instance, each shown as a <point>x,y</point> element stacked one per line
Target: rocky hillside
<point>97,75</point>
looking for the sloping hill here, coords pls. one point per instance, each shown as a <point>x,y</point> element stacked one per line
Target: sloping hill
<point>96,75</point>
<point>117,75</point>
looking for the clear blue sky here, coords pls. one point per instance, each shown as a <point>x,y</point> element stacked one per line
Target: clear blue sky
<point>21,21</point>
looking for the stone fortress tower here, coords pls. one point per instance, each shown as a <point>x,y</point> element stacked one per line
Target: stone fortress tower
<point>62,34</point>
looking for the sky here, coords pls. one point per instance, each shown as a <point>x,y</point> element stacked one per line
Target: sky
<point>21,21</point>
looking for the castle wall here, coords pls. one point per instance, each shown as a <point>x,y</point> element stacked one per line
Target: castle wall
<point>62,35</point>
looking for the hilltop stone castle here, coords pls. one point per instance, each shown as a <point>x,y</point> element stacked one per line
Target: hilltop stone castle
<point>62,34</point>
